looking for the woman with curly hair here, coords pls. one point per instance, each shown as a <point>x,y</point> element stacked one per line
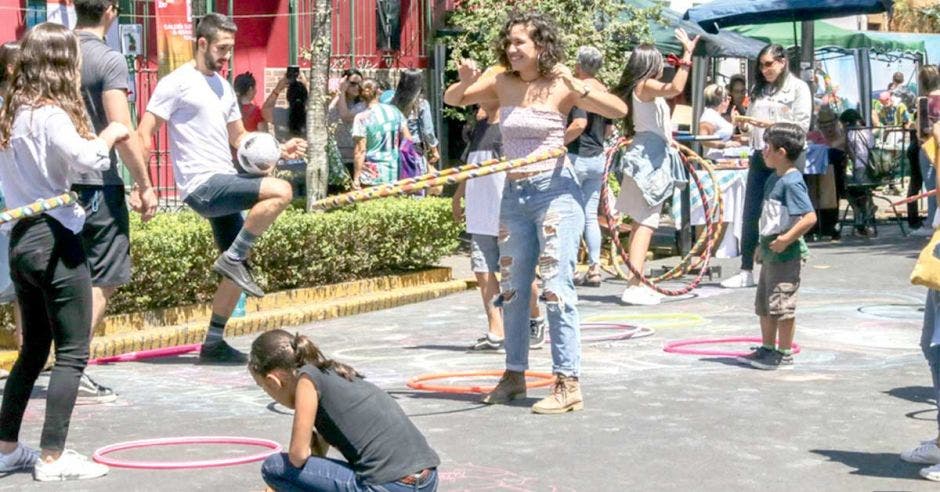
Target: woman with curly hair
<point>44,135</point>
<point>541,213</point>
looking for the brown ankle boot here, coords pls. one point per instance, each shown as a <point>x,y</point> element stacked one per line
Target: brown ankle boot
<point>511,387</point>
<point>565,397</point>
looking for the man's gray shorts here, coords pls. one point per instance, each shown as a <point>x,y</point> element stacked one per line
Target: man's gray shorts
<point>484,253</point>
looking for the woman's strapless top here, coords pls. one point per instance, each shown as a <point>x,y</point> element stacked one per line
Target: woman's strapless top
<point>528,131</point>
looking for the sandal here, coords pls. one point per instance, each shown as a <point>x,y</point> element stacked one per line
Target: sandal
<point>592,279</point>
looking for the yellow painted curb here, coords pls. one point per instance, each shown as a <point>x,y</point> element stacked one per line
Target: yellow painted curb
<point>132,322</point>
<point>194,332</point>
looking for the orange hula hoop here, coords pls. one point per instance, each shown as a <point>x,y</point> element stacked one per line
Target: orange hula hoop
<point>544,380</point>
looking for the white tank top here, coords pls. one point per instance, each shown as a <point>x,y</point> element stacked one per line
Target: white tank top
<point>652,117</point>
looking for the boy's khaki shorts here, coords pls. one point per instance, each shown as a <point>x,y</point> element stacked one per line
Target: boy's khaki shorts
<point>776,289</point>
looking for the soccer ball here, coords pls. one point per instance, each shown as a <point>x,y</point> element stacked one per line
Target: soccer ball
<point>258,153</point>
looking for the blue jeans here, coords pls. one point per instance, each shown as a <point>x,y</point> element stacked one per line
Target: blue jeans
<point>930,342</point>
<point>541,220</point>
<point>590,172</point>
<point>930,182</point>
<point>757,174</point>
<point>327,475</point>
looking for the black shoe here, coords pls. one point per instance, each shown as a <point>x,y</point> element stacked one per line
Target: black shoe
<point>772,361</point>
<point>536,333</point>
<point>91,393</point>
<point>487,344</point>
<point>221,353</point>
<point>237,272</point>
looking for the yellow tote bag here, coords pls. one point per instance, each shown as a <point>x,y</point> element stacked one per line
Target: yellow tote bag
<point>927,269</point>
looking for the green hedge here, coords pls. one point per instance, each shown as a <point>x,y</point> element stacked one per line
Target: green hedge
<point>173,253</point>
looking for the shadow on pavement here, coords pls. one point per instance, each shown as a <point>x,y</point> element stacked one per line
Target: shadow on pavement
<point>449,348</point>
<point>919,415</point>
<point>916,394</point>
<point>728,361</point>
<point>885,465</point>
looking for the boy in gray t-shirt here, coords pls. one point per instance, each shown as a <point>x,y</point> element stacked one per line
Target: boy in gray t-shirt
<point>786,215</point>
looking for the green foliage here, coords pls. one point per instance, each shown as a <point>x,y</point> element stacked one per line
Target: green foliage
<point>173,253</point>
<point>613,26</point>
<point>909,17</point>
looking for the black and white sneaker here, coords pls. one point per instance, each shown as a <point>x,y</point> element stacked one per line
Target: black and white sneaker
<point>487,344</point>
<point>772,361</point>
<point>92,393</point>
<point>237,272</point>
<point>757,353</point>
<point>221,353</point>
<point>536,333</point>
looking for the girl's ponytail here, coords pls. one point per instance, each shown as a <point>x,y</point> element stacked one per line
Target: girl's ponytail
<point>278,349</point>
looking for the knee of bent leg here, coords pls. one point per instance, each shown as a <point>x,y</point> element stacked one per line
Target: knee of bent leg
<point>279,190</point>
<point>274,467</point>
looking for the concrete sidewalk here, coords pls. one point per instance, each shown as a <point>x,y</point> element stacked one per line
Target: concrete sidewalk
<point>858,394</point>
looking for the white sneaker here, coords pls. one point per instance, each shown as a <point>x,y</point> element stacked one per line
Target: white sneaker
<point>922,232</point>
<point>69,466</point>
<point>742,280</point>
<point>22,458</point>
<point>931,473</point>
<point>926,454</point>
<point>639,295</point>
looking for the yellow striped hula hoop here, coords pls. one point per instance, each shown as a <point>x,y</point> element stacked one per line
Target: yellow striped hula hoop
<point>38,207</point>
<point>411,185</point>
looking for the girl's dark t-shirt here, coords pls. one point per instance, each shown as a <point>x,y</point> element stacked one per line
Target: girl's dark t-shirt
<point>371,431</point>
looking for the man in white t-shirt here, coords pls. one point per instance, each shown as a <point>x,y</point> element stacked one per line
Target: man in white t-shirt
<point>204,125</point>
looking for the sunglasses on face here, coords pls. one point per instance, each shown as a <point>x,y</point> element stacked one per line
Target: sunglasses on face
<point>117,8</point>
<point>354,84</point>
<point>768,64</point>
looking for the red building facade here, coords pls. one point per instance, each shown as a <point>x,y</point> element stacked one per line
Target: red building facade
<point>262,43</point>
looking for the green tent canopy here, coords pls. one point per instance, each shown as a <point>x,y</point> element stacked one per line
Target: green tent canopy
<point>723,44</point>
<point>827,35</point>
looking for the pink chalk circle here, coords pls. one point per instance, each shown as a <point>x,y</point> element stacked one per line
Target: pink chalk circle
<point>147,354</point>
<point>679,346</point>
<point>101,454</point>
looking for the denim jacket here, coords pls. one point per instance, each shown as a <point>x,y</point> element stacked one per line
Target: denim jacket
<point>654,166</point>
<point>421,125</point>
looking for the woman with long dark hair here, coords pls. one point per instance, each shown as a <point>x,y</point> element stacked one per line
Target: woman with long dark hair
<point>409,99</point>
<point>541,214</point>
<point>44,135</point>
<point>342,111</point>
<point>777,96</point>
<point>648,162</point>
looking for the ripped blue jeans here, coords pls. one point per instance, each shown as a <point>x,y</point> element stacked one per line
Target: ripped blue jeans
<point>541,221</point>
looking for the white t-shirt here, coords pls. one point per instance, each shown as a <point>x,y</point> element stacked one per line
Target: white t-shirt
<point>484,195</point>
<point>44,148</point>
<point>198,109</point>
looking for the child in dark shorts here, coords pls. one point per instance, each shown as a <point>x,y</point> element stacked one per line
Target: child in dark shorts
<point>786,215</point>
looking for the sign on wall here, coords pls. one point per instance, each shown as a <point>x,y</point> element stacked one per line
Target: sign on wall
<point>130,39</point>
<point>174,34</point>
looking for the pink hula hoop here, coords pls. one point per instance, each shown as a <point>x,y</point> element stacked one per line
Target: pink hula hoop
<point>147,354</point>
<point>101,454</point>
<point>679,346</point>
